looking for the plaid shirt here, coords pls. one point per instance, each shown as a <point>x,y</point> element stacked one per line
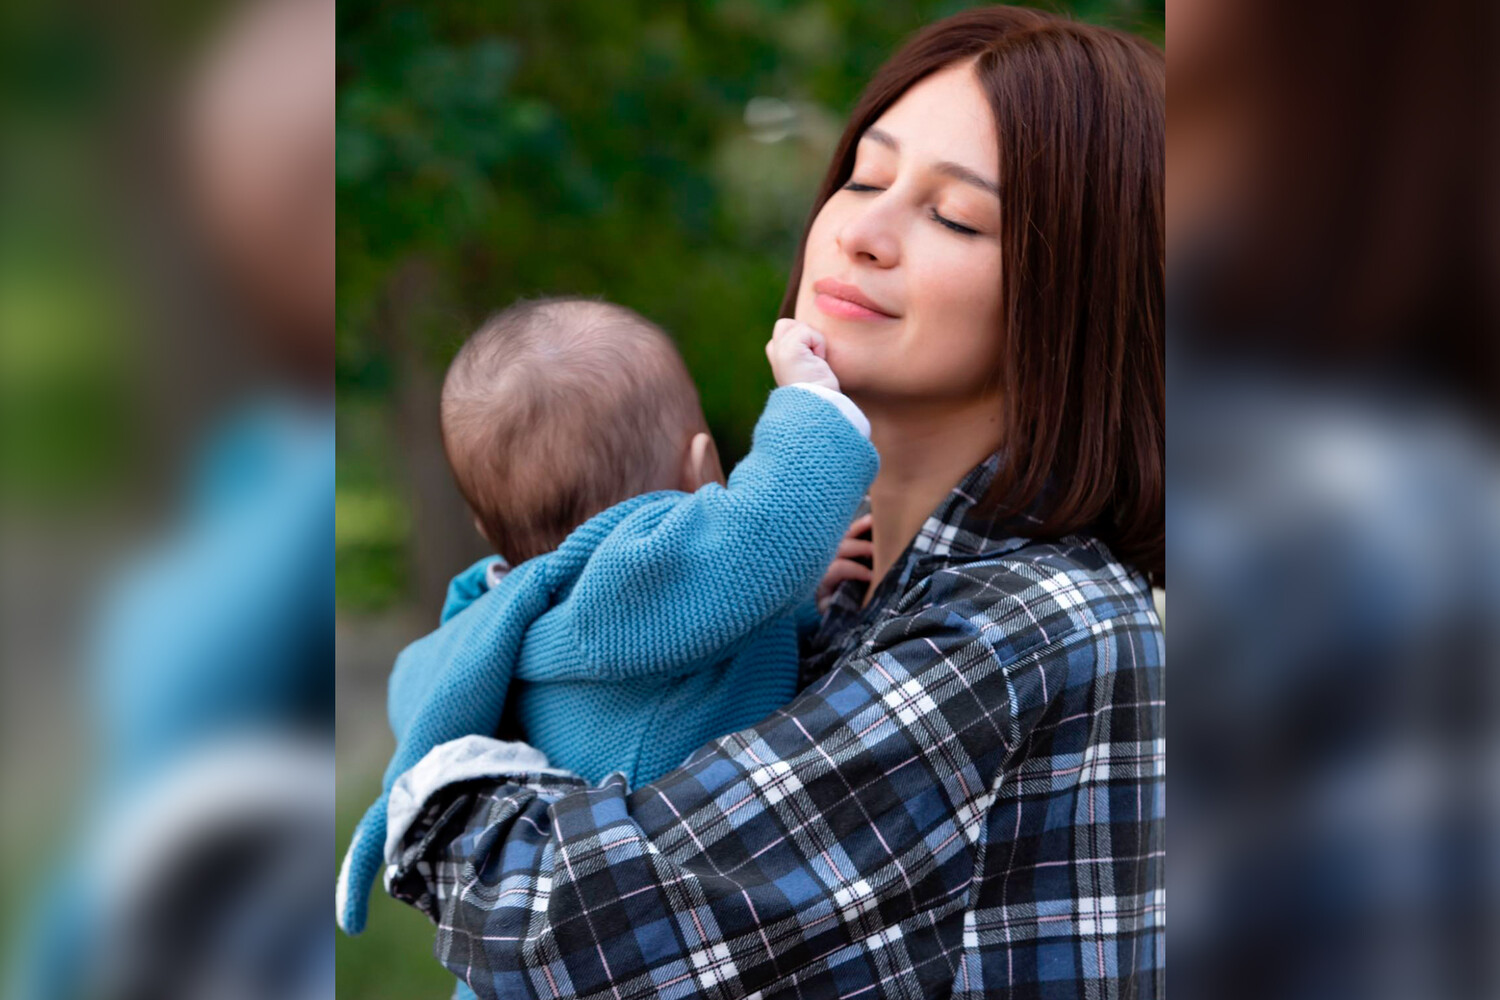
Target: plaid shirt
<point>966,801</point>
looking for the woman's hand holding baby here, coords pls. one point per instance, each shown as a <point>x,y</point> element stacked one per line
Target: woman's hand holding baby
<point>798,353</point>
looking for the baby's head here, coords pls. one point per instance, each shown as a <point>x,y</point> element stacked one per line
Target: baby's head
<point>558,408</point>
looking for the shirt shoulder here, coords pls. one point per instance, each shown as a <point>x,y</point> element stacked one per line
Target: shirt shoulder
<point>996,643</point>
<point>1067,600</point>
<point>1034,593</point>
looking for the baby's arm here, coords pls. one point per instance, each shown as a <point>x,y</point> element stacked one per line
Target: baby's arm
<point>686,580</point>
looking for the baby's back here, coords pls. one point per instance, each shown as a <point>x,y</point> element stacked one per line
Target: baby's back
<point>645,727</point>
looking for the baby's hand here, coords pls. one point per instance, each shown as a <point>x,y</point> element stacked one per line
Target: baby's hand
<point>797,353</point>
<point>847,563</point>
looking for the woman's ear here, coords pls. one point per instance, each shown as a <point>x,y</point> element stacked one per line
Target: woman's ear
<point>701,464</point>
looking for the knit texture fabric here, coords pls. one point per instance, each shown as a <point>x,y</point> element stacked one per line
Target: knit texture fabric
<point>659,624</point>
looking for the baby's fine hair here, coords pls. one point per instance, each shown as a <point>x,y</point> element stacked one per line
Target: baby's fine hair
<point>557,408</point>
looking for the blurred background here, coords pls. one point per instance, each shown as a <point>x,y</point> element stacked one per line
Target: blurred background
<point>661,155</point>
<point>166,498</point>
<point>1334,499</point>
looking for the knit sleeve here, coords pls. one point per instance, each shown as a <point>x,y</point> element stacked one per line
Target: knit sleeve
<point>683,583</point>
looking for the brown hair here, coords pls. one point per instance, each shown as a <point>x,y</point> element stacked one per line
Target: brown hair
<point>558,408</point>
<point>1080,114</point>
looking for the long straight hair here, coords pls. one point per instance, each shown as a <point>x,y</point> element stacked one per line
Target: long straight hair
<point>1080,114</point>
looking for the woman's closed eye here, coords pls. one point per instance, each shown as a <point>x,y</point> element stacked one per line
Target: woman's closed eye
<point>957,227</point>
<point>936,216</point>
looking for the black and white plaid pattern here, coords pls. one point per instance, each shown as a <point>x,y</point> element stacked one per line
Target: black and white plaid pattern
<point>965,801</point>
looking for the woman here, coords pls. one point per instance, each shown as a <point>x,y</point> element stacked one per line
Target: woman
<point>966,798</point>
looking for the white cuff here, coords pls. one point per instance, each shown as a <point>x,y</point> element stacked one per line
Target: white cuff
<point>846,405</point>
<point>463,759</point>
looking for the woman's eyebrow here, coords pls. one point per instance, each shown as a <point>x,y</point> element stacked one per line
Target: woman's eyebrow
<point>960,172</point>
<point>957,171</point>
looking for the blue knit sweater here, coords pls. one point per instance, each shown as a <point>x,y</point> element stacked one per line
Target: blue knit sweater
<point>659,624</point>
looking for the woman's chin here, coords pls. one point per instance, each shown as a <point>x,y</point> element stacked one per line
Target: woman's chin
<point>853,382</point>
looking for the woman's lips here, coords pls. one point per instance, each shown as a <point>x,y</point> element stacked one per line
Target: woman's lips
<point>834,298</point>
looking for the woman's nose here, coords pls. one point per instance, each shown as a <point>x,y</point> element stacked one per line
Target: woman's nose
<point>870,235</point>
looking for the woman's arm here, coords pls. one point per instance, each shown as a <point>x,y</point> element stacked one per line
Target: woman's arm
<point>681,582</point>
<point>803,848</point>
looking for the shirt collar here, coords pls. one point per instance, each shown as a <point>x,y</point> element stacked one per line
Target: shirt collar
<point>961,525</point>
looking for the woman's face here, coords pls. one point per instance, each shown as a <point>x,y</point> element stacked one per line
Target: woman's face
<point>902,268</point>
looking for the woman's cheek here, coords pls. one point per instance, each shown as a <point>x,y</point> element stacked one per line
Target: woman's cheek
<point>965,320</point>
<point>814,265</point>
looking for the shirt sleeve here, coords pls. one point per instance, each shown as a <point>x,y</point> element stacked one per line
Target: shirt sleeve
<point>680,583</point>
<point>842,831</point>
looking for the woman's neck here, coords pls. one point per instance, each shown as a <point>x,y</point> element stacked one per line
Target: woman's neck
<point>923,455</point>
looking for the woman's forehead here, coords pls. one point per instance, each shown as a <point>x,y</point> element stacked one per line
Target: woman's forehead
<point>943,117</point>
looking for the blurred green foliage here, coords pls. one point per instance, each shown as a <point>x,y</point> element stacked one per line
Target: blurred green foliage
<point>662,155</point>
<point>392,959</point>
<point>65,312</point>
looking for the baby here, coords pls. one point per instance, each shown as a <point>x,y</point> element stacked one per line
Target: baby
<point>647,606</point>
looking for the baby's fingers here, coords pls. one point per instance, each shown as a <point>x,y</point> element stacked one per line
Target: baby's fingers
<point>812,339</point>
<point>838,571</point>
<point>798,332</point>
<point>777,331</point>
<point>856,548</point>
<point>846,569</point>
